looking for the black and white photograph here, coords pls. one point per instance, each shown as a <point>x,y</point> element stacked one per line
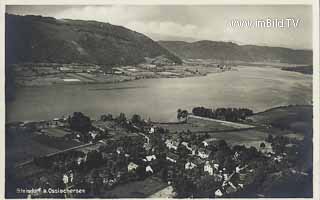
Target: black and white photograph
<point>126,100</point>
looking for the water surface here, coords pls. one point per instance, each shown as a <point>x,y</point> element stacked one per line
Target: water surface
<point>258,88</point>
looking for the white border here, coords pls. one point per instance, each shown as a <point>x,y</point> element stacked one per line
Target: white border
<point>316,73</point>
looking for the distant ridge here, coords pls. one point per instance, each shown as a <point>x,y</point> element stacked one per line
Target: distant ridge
<point>206,49</point>
<point>46,39</point>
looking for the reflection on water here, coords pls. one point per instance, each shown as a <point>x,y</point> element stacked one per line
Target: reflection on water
<point>251,87</point>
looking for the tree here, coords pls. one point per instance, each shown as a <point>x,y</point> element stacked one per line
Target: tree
<point>80,122</point>
<point>136,119</point>
<point>121,119</point>
<point>107,117</point>
<point>182,114</point>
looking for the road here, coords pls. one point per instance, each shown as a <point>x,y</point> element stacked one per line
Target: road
<point>55,153</point>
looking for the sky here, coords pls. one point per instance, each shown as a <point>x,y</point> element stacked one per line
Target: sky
<point>192,23</point>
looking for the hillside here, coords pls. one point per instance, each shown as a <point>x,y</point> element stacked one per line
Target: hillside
<point>233,52</point>
<point>46,39</point>
<point>298,118</point>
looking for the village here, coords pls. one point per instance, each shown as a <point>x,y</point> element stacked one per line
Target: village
<point>39,74</point>
<point>101,158</point>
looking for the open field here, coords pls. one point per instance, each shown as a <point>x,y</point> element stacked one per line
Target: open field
<point>252,137</point>
<point>201,124</point>
<point>137,189</point>
<point>55,132</point>
<point>22,146</point>
<point>164,193</point>
<point>35,75</point>
<point>295,118</point>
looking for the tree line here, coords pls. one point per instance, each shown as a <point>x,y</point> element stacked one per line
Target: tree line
<point>228,114</point>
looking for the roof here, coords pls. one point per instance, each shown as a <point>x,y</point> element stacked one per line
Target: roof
<point>133,164</point>
<point>151,157</point>
<point>173,156</point>
<point>206,151</point>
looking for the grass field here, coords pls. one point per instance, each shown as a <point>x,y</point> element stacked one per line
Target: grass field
<point>21,147</point>
<point>137,189</point>
<point>295,118</point>
<point>56,132</point>
<point>195,124</point>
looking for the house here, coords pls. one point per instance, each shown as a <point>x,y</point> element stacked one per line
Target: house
<point>149,169</point>
<point>152,130</point>
<point>210,141</point>
<point>239,169</point>
<point>186,144</point>
<point>81,160</point>
<point>100,125</point>
<point>208,168</point>
<point>203,153</point>
<point>132,166</point>
<point>172,144</point>
<point>231,188</point>
<point>278,158</point>
<point>93,134</point>
<point>119,150</point>
<point>194,150</point>
<point>67,177</point>
<point>150,158</point>
<point>172,157</point>
<point>218,193</point>
<point>190,165</point>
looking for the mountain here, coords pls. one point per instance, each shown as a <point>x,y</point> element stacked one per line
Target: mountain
<point>206,49</point>
<point>46,39</point>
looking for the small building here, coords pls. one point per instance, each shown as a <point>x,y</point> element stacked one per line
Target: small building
<point>93,134</point>
<point>172,144</point>
<point>208,168</point>
<point>186,144</point>
<point>218,193</point>
<point>149,169</point>
<point>132,166</point>
<point>203,153</point>
<point>172,157</point>
<point>210,141</point>
<point>152,130</point>
<point>190,165</point>
<point>119,150</point>
<point>151,158</point>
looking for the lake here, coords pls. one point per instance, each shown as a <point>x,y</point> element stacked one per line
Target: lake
<point>257,88</point>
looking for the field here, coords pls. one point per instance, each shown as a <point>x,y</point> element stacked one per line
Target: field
<point>252,137</point>
<point>21,147</point>
<point>199,124</point>
<point>56,132</point>
<point>137,189</point>
<point>295,118</point>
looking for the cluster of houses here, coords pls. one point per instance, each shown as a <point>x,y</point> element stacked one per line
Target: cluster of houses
<point>199,158</point>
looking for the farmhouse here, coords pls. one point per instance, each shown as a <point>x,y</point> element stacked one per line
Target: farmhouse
<point>172,157</point>
<point>208,168</point>
<point>132,166</point>
<point>149,169</point>
<point>151,157</point>
<point>190,165</point>
<point>210,141</point>
<point>203,153</point>
<point>172,144</point>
